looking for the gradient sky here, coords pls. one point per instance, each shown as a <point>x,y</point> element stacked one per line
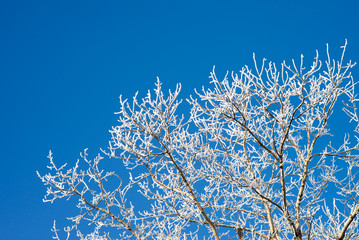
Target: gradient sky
<point>63,65</point>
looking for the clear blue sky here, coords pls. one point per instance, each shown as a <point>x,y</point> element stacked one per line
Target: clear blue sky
<point>63,65</point>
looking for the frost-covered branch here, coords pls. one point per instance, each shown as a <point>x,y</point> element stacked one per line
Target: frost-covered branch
<point>251,157</point>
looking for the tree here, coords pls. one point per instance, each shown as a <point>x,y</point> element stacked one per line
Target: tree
<point>253,158</point>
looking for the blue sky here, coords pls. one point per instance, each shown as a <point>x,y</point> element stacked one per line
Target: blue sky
<point>63,65</point>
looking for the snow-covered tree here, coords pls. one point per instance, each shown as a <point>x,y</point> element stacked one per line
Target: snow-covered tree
<point>251,157</point>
